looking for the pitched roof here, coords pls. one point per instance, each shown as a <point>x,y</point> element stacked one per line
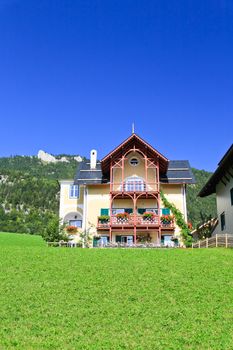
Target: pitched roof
<point>224,166</point>
<point>178,171</point>
<point>134,141</point>
<point>86,175</point>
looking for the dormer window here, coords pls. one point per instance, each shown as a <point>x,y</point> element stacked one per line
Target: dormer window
<point>134,161</point>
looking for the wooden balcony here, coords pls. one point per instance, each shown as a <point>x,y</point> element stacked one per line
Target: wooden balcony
<point>132,221</point>
<point>134,187</point>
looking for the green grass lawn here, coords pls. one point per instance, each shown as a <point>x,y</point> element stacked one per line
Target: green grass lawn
<point>61,298</point>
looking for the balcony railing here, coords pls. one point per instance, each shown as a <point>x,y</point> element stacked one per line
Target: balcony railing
<point>135,186</point>
<point>133,220</point>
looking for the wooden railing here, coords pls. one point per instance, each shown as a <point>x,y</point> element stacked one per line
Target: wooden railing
<point>219,240</point>
<point>135,186</point>
<point>134,220</point>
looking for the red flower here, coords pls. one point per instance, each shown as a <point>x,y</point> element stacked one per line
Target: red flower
<point>190,226</point>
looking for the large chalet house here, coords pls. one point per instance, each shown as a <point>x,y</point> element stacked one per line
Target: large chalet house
<point>221,183</point>
<point>118,198</point>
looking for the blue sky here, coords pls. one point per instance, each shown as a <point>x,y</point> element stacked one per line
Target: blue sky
<point>75,74</point>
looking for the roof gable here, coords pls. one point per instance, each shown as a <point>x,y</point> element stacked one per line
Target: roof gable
<point>134,142</point>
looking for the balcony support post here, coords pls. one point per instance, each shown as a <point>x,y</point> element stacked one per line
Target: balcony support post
<point>135,216</point>
<point>123,173</point>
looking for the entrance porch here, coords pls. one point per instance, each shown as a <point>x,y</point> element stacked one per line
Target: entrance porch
<point>126,238</point>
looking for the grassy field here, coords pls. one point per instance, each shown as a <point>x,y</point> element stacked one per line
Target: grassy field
<point>59,298</point>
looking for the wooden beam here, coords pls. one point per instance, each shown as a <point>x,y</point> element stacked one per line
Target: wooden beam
<point>230,173</point>
<point>226,178</point>
<point>223,182</point>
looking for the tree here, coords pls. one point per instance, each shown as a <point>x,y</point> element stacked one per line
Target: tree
<point>54,231</point>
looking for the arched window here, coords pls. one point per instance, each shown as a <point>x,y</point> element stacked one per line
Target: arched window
<point>73,219</point>
<point>134,184</point>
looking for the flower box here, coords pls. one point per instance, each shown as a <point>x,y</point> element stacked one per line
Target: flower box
<point>104,219</point>
<point>166,219</point>
<point>122,217</point>
<point>148,216</point>
<point>71,230</point>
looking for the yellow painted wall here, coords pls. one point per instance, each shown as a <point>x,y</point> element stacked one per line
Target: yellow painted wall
<point>68,204</point>
<point>128,203</point>
<point>174,194</point>
<point>136,171</point>
<point>97,198</point>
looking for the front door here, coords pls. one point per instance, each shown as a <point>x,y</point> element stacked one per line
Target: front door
<point>130,240</point>
<point>104,241</point>
<point>127,239</point>
<point>124,239</point>
<point>167,241</point>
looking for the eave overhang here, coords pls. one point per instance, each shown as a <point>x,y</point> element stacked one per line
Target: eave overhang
<point>225,169</point>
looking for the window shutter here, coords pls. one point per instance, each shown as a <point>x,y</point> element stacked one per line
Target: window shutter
<point>104,211</point>
<point>166,211</point>
<point>141,211</point>
<point>129,210</point>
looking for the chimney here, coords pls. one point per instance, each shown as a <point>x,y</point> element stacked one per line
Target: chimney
<point>93,158</point>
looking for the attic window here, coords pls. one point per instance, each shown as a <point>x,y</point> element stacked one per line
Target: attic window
<point>134,161</point>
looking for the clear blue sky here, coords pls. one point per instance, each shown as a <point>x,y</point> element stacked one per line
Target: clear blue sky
<point>74,74</point>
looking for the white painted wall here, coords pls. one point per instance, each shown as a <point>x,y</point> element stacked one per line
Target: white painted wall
<point>224,205</point>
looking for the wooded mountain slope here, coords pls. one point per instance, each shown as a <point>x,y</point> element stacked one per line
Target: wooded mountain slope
<point>29,193</point>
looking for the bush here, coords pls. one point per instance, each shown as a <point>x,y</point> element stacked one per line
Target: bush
<point>185,232</point>
<point>54,232</point>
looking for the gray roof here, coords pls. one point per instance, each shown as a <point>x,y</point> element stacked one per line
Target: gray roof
<point>179,171</point>
<point>85,175</point>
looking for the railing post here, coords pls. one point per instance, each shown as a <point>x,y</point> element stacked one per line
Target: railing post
<point>207,241</point>
<point>199,244</point>
<point>226,240</point>
<point>216,240</point>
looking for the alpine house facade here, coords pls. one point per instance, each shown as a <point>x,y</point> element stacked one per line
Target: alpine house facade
<point>118,198</point>
<point>221,183</point>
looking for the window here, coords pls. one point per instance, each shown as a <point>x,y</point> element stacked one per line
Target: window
<point>223,221</point>
<point>134,161</point>
<point>231,191</point>
<point>117,211</point>
<point>141,211</point>
<point>122,210</point>
<point>134,184</point>
<point>104,240</point>
<point>74,191</point>
<point>76,223</point>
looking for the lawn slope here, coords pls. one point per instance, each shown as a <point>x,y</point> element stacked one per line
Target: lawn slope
<point>59,298</point>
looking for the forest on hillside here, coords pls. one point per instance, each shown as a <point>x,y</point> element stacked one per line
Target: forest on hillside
<point>29,193</point>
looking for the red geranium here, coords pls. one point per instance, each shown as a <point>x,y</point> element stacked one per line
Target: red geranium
<point>71,229</point>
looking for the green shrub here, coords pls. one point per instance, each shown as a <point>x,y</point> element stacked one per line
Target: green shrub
<point>54,232</point>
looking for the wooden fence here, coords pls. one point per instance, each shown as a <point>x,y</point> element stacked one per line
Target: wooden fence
<point>219,240</point>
